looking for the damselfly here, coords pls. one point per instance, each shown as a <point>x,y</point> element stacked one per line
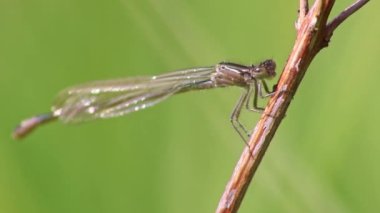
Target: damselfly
<point>112,98</point>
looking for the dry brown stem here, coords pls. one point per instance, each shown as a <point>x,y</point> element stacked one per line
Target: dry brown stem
<point>313,34</point>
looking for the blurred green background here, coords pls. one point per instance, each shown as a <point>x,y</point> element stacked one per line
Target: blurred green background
<point>178,155</point>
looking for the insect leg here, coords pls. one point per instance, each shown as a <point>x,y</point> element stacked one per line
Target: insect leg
<point>264,85</point>
<point>256,90</point>
<point>240,129</point>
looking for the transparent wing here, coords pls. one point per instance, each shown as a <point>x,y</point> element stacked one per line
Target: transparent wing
<point>104,99</point>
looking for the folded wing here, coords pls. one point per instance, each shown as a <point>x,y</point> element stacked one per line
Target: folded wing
<point>105,99</point>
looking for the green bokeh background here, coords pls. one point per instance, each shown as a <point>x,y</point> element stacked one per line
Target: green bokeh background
<point>178,155</point>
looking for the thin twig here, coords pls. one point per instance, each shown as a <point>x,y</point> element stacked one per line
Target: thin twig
<point>311,38</point>
<point>302,12</point>
<point>344,15</point>
<point>304,8</point>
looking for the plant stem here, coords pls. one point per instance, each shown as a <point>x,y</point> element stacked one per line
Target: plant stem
<point>313,34</point>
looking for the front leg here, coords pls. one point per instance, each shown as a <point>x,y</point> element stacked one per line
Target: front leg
<point>266,89</point>
<point>255,89</point>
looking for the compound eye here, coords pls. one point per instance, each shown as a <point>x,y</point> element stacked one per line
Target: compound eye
<point>269,64</point>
